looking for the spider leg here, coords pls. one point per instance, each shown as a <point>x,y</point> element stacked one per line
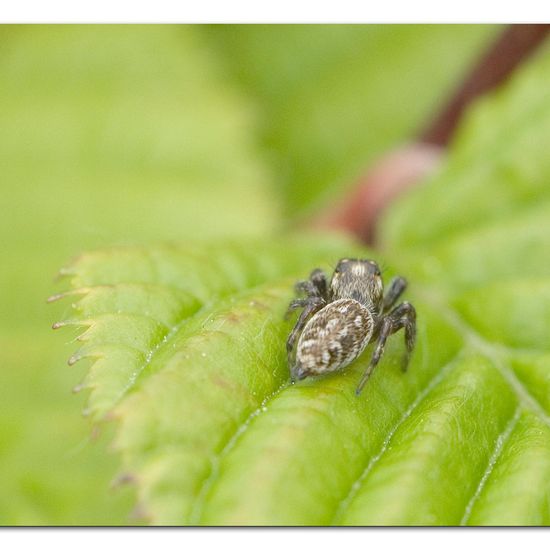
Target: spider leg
<point>307,288</point>
<point>316,285</point>
<point>385,330</point>
<point>397,287</point>
<point>311,306</point>
<point>319,281</point>
<point>403,316</point>
<point>296,304</point>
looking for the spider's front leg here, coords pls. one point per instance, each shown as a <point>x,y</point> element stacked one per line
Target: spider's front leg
<point>403,316</point>
<point>316,285</point>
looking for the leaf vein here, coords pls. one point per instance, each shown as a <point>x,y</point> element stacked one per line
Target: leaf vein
<point>495,455</point>
<point>344,504</point>
<point>229,445</point>
<point>493,353</point>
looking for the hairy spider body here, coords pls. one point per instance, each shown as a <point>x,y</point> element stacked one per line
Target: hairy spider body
<point>340,319</point>
<point>333,337</point>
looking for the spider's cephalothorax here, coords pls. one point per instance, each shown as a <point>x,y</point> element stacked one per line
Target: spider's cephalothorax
<point>339,319</point>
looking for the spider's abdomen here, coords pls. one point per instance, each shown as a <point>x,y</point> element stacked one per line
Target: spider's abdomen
<point>333,338</point>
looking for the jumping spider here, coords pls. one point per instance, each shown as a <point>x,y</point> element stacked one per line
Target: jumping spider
<point>339,319</point>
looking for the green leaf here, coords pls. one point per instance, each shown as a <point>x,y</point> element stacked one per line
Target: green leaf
<point>192,351</point>
<point>190,357</point>
<point>109,134</point>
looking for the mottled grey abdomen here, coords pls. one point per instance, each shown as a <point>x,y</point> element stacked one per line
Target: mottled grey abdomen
<point>333,338</point>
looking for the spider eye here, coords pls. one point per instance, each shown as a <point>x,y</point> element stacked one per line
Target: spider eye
<point>340,265</point>
<point>373,268</point>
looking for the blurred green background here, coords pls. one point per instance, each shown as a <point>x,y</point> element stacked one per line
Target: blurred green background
<point>126,134</point>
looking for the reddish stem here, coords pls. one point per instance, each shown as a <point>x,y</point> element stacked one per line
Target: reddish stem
<point>390,175</point>
<point>513,46</point>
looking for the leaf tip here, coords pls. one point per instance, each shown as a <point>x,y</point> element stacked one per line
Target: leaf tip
<point>76,292</point>
<point>74,359</point>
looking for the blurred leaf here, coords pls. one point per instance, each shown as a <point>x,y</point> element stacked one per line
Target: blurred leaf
<point>109,134</point>
<point>334,97</point>
<point>190,357</point>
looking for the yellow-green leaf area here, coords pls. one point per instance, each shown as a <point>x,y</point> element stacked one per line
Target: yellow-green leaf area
<point>212,432</point>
